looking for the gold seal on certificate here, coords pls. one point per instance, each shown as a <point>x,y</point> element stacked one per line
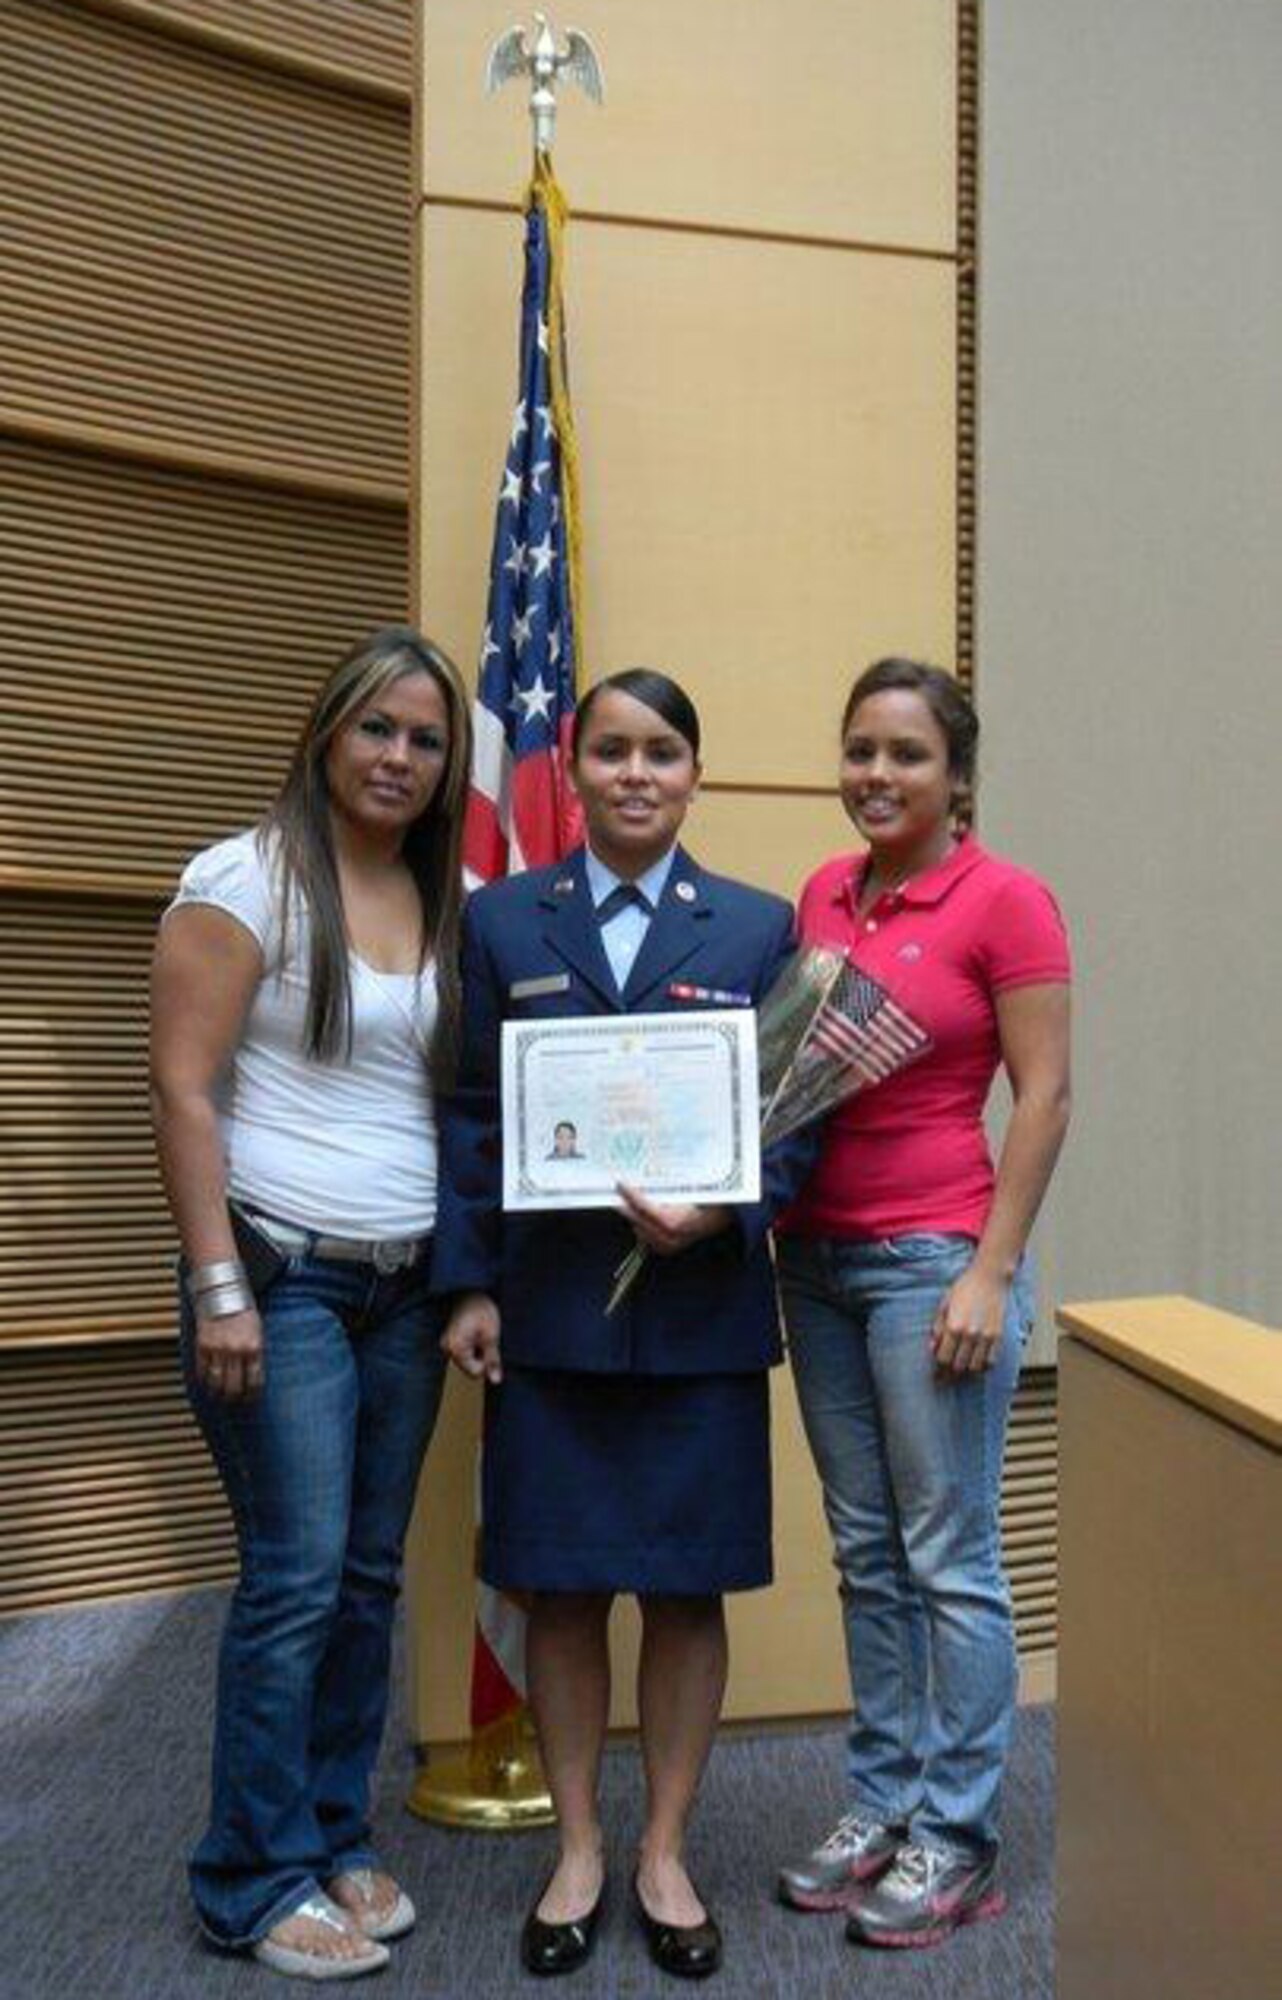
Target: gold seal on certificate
<point>665,1102</point>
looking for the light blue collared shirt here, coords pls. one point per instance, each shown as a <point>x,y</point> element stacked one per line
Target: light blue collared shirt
<point>623,934</point>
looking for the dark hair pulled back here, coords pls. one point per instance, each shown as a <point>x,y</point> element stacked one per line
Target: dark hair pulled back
<point>654,690</point>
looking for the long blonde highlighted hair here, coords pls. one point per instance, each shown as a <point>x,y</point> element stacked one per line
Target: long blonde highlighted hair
<point>300,821</point>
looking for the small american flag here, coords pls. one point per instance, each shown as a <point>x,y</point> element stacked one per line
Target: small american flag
<point>867,1031</point>
<point>521,812</point>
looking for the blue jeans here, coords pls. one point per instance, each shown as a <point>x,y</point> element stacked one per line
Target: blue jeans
<point>911,1469</point>
<point>320,1470</point>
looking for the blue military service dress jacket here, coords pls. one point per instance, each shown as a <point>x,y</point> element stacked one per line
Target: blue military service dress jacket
<point>532,948</point>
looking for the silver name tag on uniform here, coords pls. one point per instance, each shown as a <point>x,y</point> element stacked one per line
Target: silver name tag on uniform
<point>534,989</point>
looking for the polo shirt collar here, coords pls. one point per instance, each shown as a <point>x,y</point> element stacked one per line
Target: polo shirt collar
<point>928,888</point>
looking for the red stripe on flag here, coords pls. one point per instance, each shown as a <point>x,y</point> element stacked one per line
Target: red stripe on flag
<point>571,810</point>
<point>484,842</point>
<point>536,823</point>
<point>493,1695</point>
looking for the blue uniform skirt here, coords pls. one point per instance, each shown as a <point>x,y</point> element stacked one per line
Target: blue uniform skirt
<point>656,1483</point>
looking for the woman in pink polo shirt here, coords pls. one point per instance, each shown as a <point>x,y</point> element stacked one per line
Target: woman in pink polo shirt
<point>901,1275</point>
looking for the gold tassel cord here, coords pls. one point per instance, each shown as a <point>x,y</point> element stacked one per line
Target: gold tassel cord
<point>545,191</point>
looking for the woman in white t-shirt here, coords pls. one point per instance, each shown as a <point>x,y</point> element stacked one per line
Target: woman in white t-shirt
<point>305,1004</point>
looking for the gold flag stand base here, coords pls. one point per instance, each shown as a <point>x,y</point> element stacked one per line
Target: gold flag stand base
<point>494,1785</point>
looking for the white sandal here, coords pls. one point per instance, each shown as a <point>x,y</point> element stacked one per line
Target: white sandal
<point>299,1964</point>
<point>400,1918</point>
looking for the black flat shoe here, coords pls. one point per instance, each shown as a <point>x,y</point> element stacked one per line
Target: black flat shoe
<point>688,1951</point>
<point>547,1949</point>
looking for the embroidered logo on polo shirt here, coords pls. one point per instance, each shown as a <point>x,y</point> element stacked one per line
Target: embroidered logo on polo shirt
<point>911,952</point>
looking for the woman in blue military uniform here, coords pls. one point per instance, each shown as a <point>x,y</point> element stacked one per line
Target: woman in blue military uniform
<point>628,1452</point>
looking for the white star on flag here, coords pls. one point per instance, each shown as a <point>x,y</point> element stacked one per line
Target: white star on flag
<point>543,555</point>
<point>520,424</point>
<point>487,647</point>
<point>515,560</point>
<point>535,700</point>
<point>543,335</point>
<point>511,494</point>
<point>543,411</point>
<point>522,631</point>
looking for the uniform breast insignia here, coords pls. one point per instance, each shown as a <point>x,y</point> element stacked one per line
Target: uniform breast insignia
<point>707,996</point>
<point>534,989</point>
<point>686,892</point>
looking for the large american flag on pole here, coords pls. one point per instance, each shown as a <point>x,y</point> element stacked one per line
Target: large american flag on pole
<point>521,812</point>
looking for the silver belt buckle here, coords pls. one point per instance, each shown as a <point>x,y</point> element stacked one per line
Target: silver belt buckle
<point>390,1257</point>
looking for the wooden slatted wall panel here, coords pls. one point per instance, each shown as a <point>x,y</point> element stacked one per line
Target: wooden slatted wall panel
<point>85,1245</point>
<point>203,423</point>
<point>160,638</point>
<point>201,253</point>
<point>1030,1510</point>
<point>368,36</point>
<point>105,1484</point>
<point>105,1487</point>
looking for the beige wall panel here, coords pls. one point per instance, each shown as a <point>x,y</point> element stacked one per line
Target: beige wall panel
<point>440,1576</point>
<point>766,435</point>
<point>201,252</point>
<point>815,118</point>
<point>768,453</point>
<point>773,839</point>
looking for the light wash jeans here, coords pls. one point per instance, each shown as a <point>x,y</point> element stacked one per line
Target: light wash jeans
<point>320,1470</point>
<point>911,1470</point>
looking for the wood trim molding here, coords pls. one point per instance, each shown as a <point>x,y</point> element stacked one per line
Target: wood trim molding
<point>757,788</point>
<point>968,87</point>
<point>67,882</point>
<point>100,1334</point>
<point>1224,1365</point>
<point>234,42</point>
<point>673,225</point>
<point>113,443</point>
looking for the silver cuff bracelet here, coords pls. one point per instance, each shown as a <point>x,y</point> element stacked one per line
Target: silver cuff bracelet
<point>221,1301</point>
<point>206,1277</point>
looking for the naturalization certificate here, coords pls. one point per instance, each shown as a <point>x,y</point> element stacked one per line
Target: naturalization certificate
<point>665,1102</point>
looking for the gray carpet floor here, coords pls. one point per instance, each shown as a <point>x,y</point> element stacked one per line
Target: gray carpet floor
<point>104,1716</point>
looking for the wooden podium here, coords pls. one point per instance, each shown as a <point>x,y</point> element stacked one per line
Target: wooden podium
<point>1170,1675</point>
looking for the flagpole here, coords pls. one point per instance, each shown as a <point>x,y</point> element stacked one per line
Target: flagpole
<point>521,812</point>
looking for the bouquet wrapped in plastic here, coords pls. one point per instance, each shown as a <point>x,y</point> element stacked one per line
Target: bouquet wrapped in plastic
<point>824,1031</point>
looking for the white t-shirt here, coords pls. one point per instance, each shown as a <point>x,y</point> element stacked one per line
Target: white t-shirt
<point>345,1148</point>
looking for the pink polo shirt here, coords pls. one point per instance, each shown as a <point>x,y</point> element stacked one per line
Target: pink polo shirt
<point>910,1154</point>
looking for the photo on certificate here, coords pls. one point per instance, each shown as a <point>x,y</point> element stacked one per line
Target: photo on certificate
<point>667,1103</point>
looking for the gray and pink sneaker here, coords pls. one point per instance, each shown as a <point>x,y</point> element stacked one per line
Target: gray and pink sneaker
<point>925,1896</point>
<point>858,1849</point>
